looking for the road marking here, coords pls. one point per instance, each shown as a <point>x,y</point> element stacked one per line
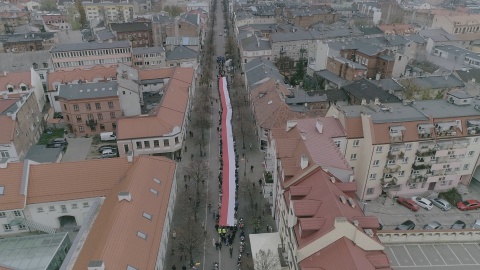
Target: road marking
<point>453,253</point>
<point>393,253</point>
<point>440,255</point>
<point>404,247</point>
<point>469,253</point>
<point>424,254</point>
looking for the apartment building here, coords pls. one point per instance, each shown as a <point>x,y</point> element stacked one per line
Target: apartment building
<point>458,24</point>
<point>21,125</point>
<point>306,17</point>
<point>21,83</point>
<point>45,197</point>
<point>406,149</point>
<point>294,44</point>
<point>345,68</point>
<point>140,34</point>
<point>55,22</point>
<point>457,55</point>
<point>253,47</point>
<point>163,130</point>
<point>23,43</point>
<point>149,57</point>
<point>86,55</point>
<point>114,11</point>
<point>90,108</point>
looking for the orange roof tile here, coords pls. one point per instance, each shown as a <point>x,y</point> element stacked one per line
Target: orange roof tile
<point>170,112</point>
<point>306,208</point>
<point>74,180</point>
<point>11,180</point>
<point>6,103</point>
<point>15,79</point>
<point>96,72</point>
<point>353,127</point>
<point>299,191</point>
<point>7,129</point>
<point>149,74</point>
<point>311,224</point>
<point>113,238</point>
<point>346,186</point>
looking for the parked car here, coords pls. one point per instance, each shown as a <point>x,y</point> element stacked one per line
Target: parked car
<point>476,224</point>
<point>458,225</point>
<point>422,202</point>
<point>407,225</point>
<point>434,225</point>
<point>410,204</point>
<point>108,146</point>
<point>442,204</point>
<point>108,136</point>
<point>109,153</point>
<point>468,205</point>
<point>57,143</point>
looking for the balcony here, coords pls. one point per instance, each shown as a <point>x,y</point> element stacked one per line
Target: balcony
<point>446,129</point>
<point>416,178</point>
<point>425,131</point>
<point>428,152</point>
<point>392,169</point>
<point>390,184</point>
<point>473,127</point>
<point>395,155</point>
<point>396,133</point>
<point>91,123</point>
<point>421,167</point>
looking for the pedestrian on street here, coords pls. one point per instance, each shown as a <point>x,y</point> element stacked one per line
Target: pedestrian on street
<point>251,168</point>
<point>209,207</point>
<point>260,181</point>
<point>231,251</point>
<point>220,245</point>
<point>214,214</point>
<point>174,234</point>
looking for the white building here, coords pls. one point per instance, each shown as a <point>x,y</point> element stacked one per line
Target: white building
<point>22,82</point>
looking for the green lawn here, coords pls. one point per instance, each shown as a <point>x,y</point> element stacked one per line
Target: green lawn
<point>56,133</point>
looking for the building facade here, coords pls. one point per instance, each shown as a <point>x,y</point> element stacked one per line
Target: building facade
<point>140,34</point>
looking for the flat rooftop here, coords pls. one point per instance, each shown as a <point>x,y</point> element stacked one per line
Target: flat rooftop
<point>379,114</point>
<point>438,256</point>
<point>440,108</point>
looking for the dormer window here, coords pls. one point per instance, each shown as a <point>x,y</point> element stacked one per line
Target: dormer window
<point>23,87</point>
<point>10,88</point>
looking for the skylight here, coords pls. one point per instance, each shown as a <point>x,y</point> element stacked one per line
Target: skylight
<point>153,191</point>
<point>142,235</point>
<point>131,267</point>
<point>147,216</point>
<point>2,189</point>
<point>156,180</point>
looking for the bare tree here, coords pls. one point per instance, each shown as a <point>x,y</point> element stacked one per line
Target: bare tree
<point>266,260</point>
<point>189,240</point>
<point>197,170</point>
<point>192,199</point>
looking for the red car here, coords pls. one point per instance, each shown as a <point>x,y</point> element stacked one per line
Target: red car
<point>468,205</point>
<point>410,204</point>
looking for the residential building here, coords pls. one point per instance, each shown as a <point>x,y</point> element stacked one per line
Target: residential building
<point>159,21</point>
<point>40,61</point>
<point>435,37</point>
<point>346,69</point>
<point>163,130</point>
<point>258,71</point>
<point>365,92</point>
<point>242,18</point>
<point>181,56</point>
<point>295,44</point>
<point>140,34</point>
<point>76,76</point>
<point>458,24</point>
<point>187,25</point>
<point>21,125</point>
<point>198,5</point>
<point>397,29</point>
<point>402,150</point>
<point>114,11</point>
<point>372,10</point>
<point>86,55</point>
<point>193,43</point>
<point>21,83</point>
<point>14,19</point>
<point>23,43</point>
<point>55,22</point>
<point>90,108</point>
<point>148,57</point>
<point>142,6</point>
<point>253,47</point>
<point>300,100</point>
<point>306,17</point>
<point>429,87</point>
<point>457,55</point>
<point>41,197</point>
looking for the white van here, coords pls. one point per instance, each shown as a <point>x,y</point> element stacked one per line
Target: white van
<point>108,136</point>
<point>109,153</point>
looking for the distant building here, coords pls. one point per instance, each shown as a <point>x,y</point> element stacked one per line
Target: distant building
<point>138,33</point>
<point>21,83</point>
<point>150,57</point>
<point>458,24</point>
<point>181,56</point>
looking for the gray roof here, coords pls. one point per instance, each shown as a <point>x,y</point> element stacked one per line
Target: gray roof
<point>90,46</point>
<point>185,41</point>
<point>162,18</point>
<point>42,154</point>
<point>454,50</point>
<point>437,35</point>
<point>440,108</point>
<point>416,38</point>
<point>70,36</point>
<point>87,90</point>
<point>381,114</point>
<point>259,69</point>
<point>28,37</point>
<point>25,29</point>
<point>371,31</point>
<point>335,33</point>
<point>301,96</point>
<point>364,89</point>
<point>329,76</point>
<point>192,18</point>
<point>261,27</point>
<point>104,34</point>
<point>349,62</point>
<point>253,43</point>
<point>291,36</point>
<point>460,94</point>
<point>469,74</point>
<point>24,61</point>
<point>437,82</point>
<point>388,84</point>
<point>146,50</point>
<point>180,52</point>
<point>131,26</point>
<point>363,47</point>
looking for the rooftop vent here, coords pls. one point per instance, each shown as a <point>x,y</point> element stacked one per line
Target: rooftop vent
<point>319,126</point>
<point>96,265</point>
<point>332,178</point>
<point>124,195</point>
<point>351,202</point>
<point>355,222</point>
<point>343,200</point>
<point>154,191</point>
<point>270,102</point>
<point>291,124</point>
<point>369,232</point>
<point>304,161</point>
<point>156,180</point>
<point>142,235</point>
<point>304,135</point>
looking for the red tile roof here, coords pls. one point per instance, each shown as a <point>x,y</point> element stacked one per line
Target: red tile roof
<point>169,114</point>
<point>299,191</point>
<point>306,208</point>
<point>15,79</point>
<point>7,129</point>
<point>368,222</point>
<point>96,72</point>
<point>311,224</point>
<point>6,103</point>
<point>113,238</point>
<point>11,180</point>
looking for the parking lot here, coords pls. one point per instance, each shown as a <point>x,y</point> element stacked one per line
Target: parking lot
<point>458,256</point>
<point>77,149</point>
<point>390,213</point>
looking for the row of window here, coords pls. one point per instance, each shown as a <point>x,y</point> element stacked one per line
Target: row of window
<point>88,106</point>
<point>90,117</point>
<point>10,88</point>
<point>463,30</point>
<point>81,129</point>
<point>156,143</point>
<point>93,62</point>
<point>148,55</point>
<point>125,36</point>
<point>63,207</point>
<point>8,227</point>
<point>90,53</point>
<point>16,213</point>
<point>148,63</point>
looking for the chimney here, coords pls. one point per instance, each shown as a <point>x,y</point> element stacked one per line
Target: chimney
<point>5,96</point>
<point>110,40</point>
<point>130,156</point>
<point>319,126</point>
<point>26,36</point>
<point>304,135</point>
<point>291,124</point>
<point>304,161</point>
<point>96,265</point>
<point>19,103</point>
<point>124,195</point>
<point>33,35</point>
<point>364,101</point>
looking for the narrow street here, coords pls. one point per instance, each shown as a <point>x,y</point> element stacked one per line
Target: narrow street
<point>253,157</point>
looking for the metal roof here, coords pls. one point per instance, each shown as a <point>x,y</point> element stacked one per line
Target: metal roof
<point>87,90</point>
<point>90,46</point>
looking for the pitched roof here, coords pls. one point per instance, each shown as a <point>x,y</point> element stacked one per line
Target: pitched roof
<point>7,129</point>
<point>150,74</point>
<point>15,79</point>
<point>364,89</point>
<point>88,90</point>
<point>131,26</point>
<point>11,181</point>
<point>253,43</point>
<point>169,114</point>
<point>113,238</point>
<point>24,61</point>
<point>180,52</point>
<point>259,69</point>
<point>291,36</point>
<point>147,50</point>
<point>74,180</point>
<point>90,46</point>
<point>88,75</point>
<point>5,104</point>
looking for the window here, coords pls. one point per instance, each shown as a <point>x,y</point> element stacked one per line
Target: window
<point>147,144</point>
<point>112,115</point>
<point>79,118</point>
<point>81,129</point>
<point>465,166</point>
<point>408,146</point>
<point>141,235</point>
<point>99,116</point>
<point>4,154</point>
<point>337,143</point>
<point>376,162</point>
<point>114,125</point>
<point>23,87</point>
<point>475,140</point>
<point>370,191</point>
<point>419,159</point>
<point>40,209</point>
<point>153,191</point>
<point>74,206</point>
<point>64,208</point>
<point>7,227</point>
<point>97,106</point>
<point>156,143</point>
<point>391,161</point>
<point>41,76</point>
<point>471,153</point>
<point>10,89</point>
<point>379,149</point>
<point>373,175</point>
<point>90,116</point>
<point>17,213</point>
<point>176,140</point>
<point>2,214</point>
<point>110,104</point>
<point>21,227</point>
<point>125,148</point>
<point>51,208</point>
<point>353,156</point>
<point>139,145</point>
<point>102,127</point>
<point>405,160</point>
<point>401,173</point>
<point>166,143</point>
<point>75,107</point>
<point>85,204</point>
<point>387,175</point>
